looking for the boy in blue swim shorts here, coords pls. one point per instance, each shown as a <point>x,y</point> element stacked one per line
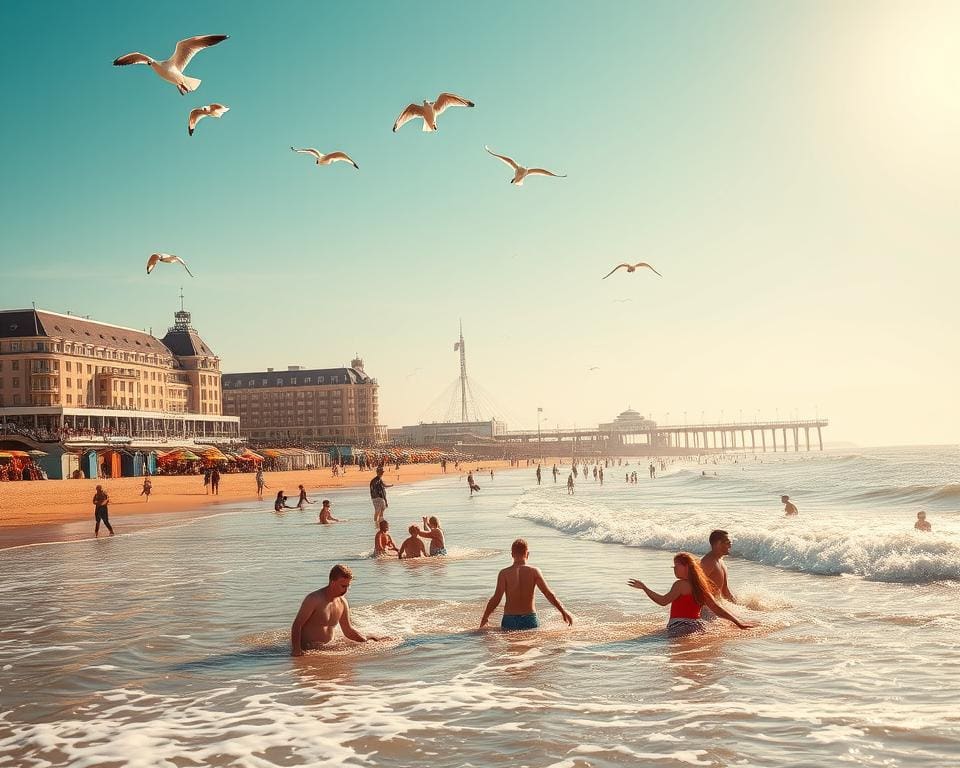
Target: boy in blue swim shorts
<point>519,582</point>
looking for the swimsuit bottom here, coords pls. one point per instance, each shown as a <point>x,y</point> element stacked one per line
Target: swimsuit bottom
<point>514,621</point>
<point>435,552</point>
<point>678,627</point>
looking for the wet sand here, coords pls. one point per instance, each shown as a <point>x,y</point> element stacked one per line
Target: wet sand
<point>49,510</point>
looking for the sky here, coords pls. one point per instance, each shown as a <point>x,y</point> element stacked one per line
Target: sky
<point>790,168</point>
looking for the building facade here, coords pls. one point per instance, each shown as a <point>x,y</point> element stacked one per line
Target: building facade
<point>327,404</point>
<point>63,374</point>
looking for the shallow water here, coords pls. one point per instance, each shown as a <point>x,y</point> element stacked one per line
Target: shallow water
<point>169,646</point>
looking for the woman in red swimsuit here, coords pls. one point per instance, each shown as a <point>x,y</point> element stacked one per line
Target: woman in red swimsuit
<point>689,592</point>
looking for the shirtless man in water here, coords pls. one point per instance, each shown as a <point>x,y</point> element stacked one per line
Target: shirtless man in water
<point>713,566</point>
<point>518,582</point>
<point>789,508</point>
<point>320,613</point>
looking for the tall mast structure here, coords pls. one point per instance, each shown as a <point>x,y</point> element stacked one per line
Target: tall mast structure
<point>463,374</point>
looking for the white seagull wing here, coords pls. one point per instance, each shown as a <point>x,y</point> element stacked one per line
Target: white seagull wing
<point>334,156</point>
<point>187,49</point>
<point>196,115</point>
<point>619,266</point>
<point>132,58</point>
<point>509,161</point>
<point>644,264</point>
<point>445,100</point>
<point>412,111</point>
<point>217,110</point>
<point>152,262</point>
<point>178,260</point>
<point>309,151</point>
<point>545,172</point>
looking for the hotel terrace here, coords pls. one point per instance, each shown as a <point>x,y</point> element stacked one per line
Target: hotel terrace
<point>88,383</point>
<point>326,404</point>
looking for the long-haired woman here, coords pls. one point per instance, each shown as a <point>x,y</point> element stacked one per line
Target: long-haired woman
<point>691,591</point>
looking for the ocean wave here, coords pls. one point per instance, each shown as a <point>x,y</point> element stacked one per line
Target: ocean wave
<point>824,549</point>
<point>917,493</point>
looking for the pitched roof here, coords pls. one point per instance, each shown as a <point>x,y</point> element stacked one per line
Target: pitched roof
<point>40,323</point>
<point>186,343</point>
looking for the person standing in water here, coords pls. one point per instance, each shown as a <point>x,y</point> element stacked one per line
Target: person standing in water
<point>101,513</point>
<point>714,568</point>
<point>303,500</point>
<point>555,473</point>
<point>789,508</point>
<point>518,582</point>
<point>570,484</point>
<point>690,592</point>
<point>378,494</point>
<point>922,524</point>
<point>538,474</point>
<point>322,611</point>
<point>472,483</point>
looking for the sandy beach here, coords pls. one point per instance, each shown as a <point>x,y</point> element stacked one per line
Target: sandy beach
<point>35,512</point>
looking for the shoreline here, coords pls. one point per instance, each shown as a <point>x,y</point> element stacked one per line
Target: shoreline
<point>51,511</point>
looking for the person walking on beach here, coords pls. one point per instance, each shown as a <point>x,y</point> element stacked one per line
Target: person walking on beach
<point>147,488</point>
<point>922,524</point>
<point>713,566</point>
<point>378,494</point>
<point>518,582</point>
<point>412,546</point>
<point>538,474</point>
<point>789,508</point>
<point>206,481</point>
<point>570,484</point>
<point>690,592</point>
<point>383,541</point>
<point>326,517</point>
<point>100,512</point>
<point>322,611</point>
<point>431,530</point>
<point>601,475</point>
<point>215,481</point>
<point>303,500</point>
<point>555,473</point>
<point>260,483</point>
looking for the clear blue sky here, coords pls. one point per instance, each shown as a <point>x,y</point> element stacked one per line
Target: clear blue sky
<point>790,168</point>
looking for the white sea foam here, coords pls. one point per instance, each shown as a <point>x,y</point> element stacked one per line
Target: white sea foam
<point>879,552</point>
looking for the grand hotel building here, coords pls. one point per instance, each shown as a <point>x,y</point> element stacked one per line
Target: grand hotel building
<point>71,374</point>
<point>325,404</point>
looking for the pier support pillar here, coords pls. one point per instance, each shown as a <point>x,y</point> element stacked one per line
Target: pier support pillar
<point>784,439</point>
<point>796,439</point>
<point>723,439</point>
<point>820,437</point>
<point>773,434</point>
<point>763,439</point>
<point>753,441</point>
<point>806,436</point>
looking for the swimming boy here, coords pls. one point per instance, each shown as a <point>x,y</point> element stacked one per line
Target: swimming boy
<point>412,547</point>
<point>383,540</point>
<point>518,582</point>
<point>922,523</point>
<point>321,612</point>
<point>789,508</point>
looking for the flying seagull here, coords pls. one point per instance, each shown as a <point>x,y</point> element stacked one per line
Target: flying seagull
<point>171,70</point>
<point>430,111</point>
<point>519,172</point>
<point>323,159</point>
<point>631,268</point>
<point>594,368</point>
<point>211,110</point>
<point>621,301</point>
<point>166,258</point>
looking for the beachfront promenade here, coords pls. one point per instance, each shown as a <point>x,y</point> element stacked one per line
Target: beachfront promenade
<point>652,438</point>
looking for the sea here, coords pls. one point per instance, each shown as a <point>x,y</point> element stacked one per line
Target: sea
<point>168,644</point>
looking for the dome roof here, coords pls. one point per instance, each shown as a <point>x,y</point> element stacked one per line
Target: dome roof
<point>630,415</point>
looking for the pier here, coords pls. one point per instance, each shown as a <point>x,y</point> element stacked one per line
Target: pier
<point>653,439</point>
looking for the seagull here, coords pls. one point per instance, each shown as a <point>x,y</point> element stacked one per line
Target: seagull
<point>430,111</point>
<point>594,368</point>
<point>211,110</point>
<point>166,258</point>
<point>631,268</point>
<point>519,172</point>
<point>621,301</point>
<point>171,70</point>
<point>323,159</point>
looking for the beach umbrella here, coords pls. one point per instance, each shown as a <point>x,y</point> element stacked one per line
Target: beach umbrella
<point>6,455</point>
<point>19,454</point>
